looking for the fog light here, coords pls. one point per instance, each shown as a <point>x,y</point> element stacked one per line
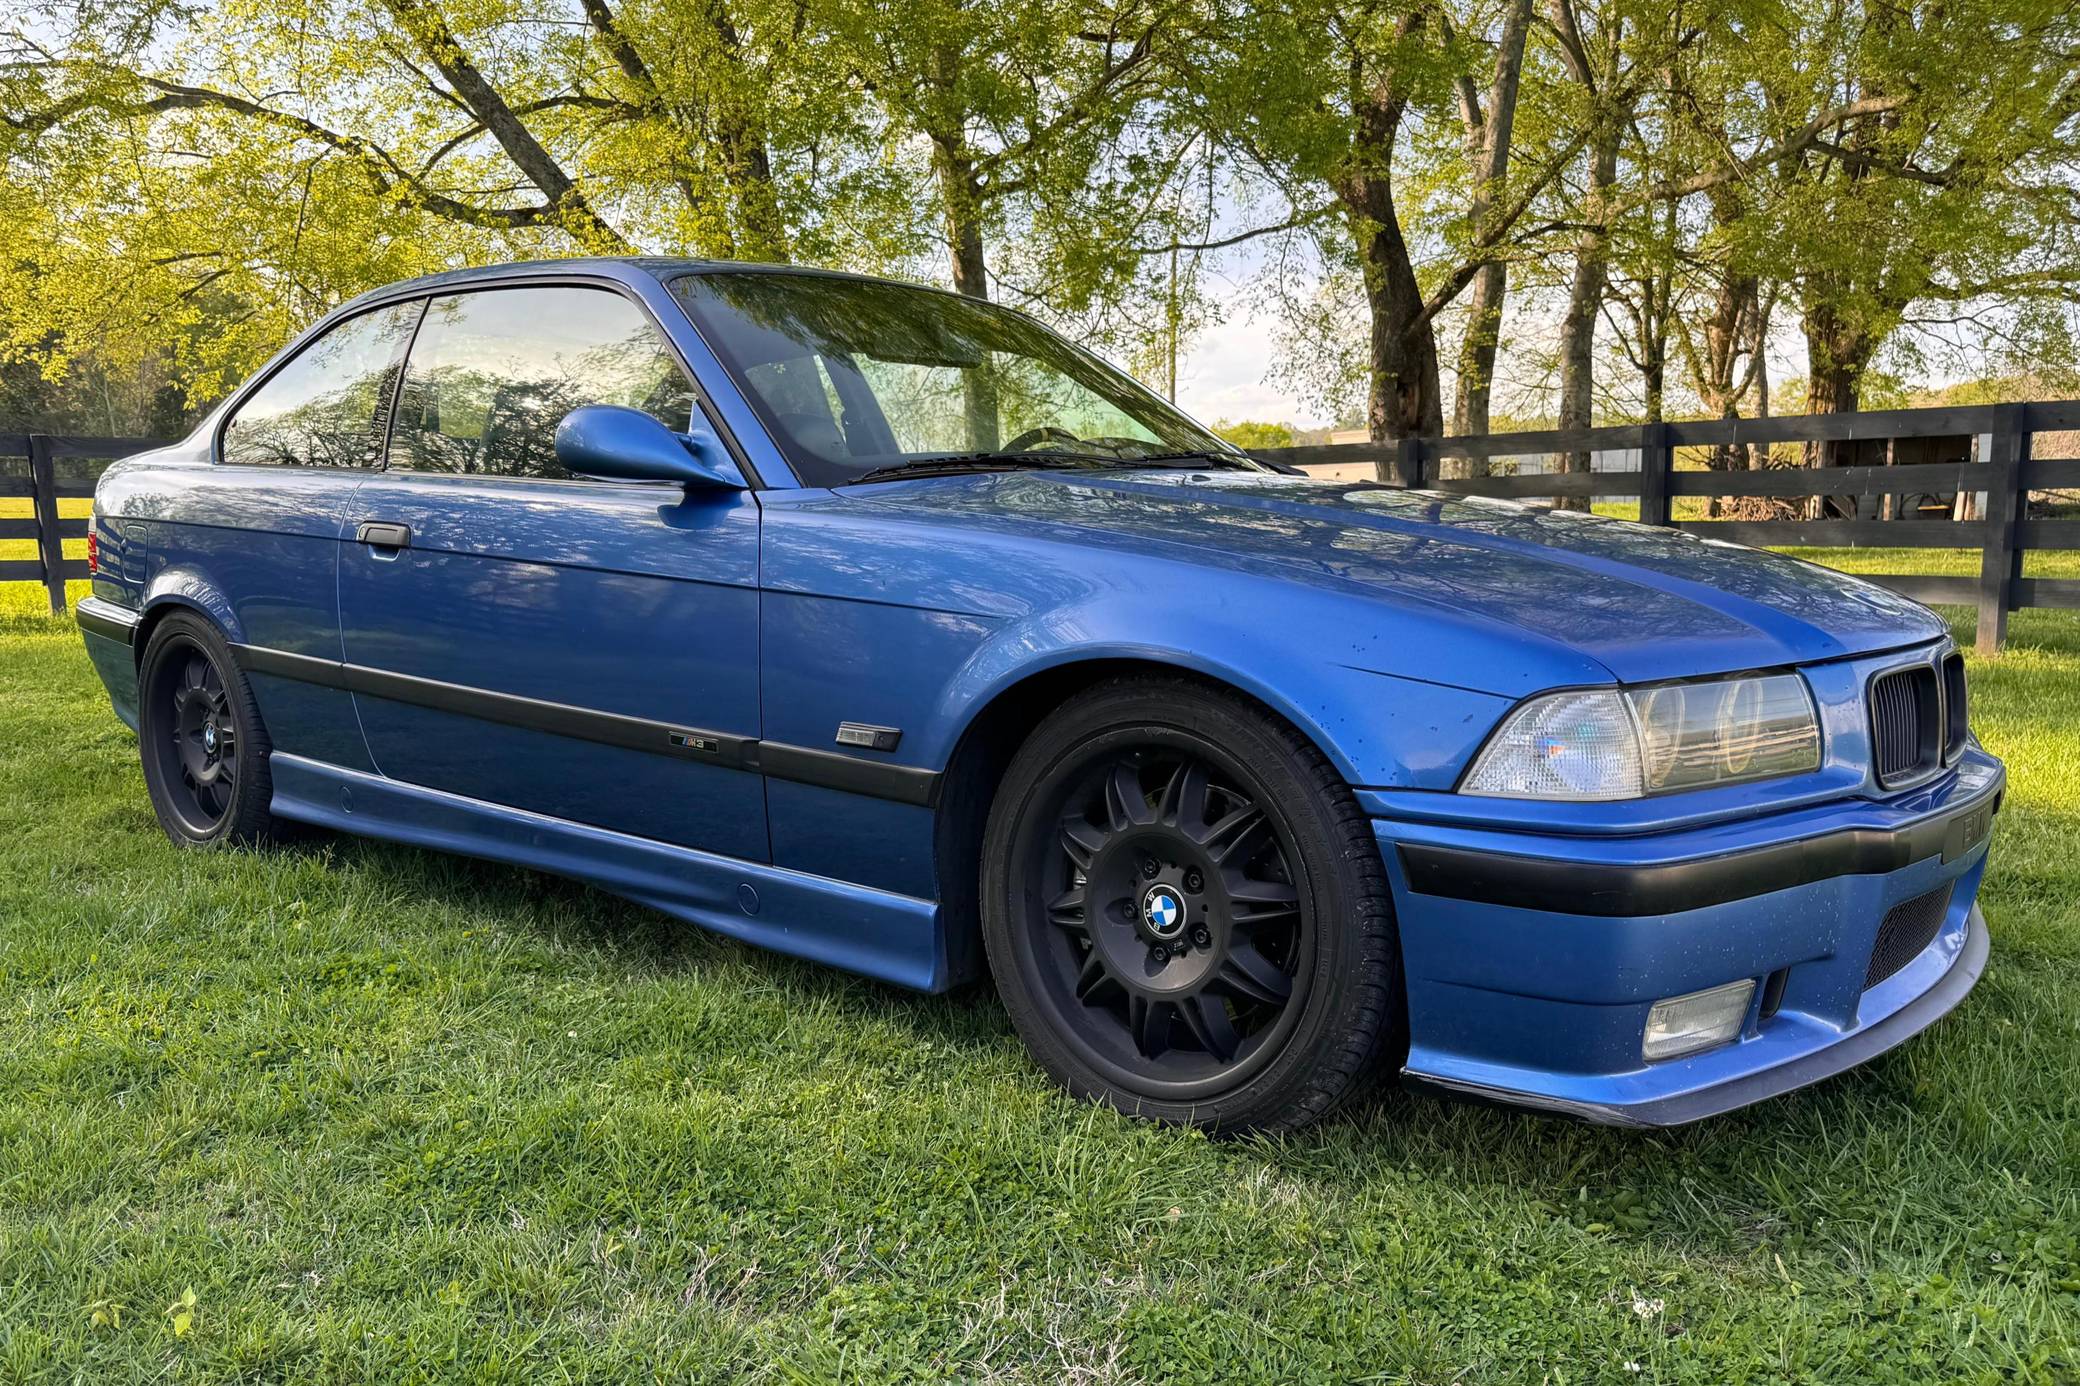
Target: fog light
<point>1685,1024</point>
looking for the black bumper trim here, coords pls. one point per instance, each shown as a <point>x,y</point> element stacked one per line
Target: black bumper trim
<point>1846,1053</point>
<point>107,620</point>
<point>799,764</point>
<point>1590,888</point>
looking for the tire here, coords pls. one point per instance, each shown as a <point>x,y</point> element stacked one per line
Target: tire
<point>1187,914</point>
<point>192,700</point>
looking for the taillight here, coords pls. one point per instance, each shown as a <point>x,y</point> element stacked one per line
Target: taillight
<point>93,551</point>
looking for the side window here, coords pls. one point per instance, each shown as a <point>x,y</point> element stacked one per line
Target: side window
<point>493,372</point>
<point>325,408</point>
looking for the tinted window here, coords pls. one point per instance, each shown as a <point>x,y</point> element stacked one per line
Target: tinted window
<point>325,407</point>
<point>492,373</point>
<point>851,375</point>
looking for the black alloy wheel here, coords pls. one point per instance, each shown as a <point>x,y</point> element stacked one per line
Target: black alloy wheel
<point>1186,912</point>
<point>1179,930</point>
<point>200,736</point>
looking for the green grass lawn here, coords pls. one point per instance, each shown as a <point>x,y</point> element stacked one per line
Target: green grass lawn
<point>346,1111</point>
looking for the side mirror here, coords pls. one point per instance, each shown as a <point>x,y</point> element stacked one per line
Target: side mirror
<point>622,444</point>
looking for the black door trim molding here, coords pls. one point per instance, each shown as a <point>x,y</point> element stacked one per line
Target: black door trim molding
<point>904,784</point>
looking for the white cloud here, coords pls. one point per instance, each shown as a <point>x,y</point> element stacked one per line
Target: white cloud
<point>1222,373</point>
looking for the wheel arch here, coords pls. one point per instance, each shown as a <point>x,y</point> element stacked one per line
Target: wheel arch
<point>183,589</point>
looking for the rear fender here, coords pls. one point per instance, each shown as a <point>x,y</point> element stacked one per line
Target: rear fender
<point>184,587</point>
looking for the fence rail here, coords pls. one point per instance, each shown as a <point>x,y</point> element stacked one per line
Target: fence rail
<point>44,489</point>
<point>1998,472</point>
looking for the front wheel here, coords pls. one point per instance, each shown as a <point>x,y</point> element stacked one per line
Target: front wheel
<point>204,747</point>
<point>1187,913</point>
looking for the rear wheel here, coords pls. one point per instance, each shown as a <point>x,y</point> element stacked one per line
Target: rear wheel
<point>199,731</point>
<point>1186,911</point>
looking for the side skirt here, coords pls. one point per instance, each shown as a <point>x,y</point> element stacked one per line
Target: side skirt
<point>896,938</point>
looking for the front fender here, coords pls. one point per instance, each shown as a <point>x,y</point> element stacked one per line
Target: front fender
<point>1379,730</point>
<point>952,612</point>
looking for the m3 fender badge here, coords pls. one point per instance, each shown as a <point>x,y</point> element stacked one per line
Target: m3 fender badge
<point>694,741</point>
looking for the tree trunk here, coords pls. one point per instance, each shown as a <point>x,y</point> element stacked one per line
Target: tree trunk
<point>1405,397</point>
<point>960,200</point>
<point>1838,350</point>
<point>1477,352</point>
<point>1584,305</point>
<point>1654,374</point>
<point>960,205</point>
<point>1488,136</point>
<point>1839,356</point>
<point>1758,453</point>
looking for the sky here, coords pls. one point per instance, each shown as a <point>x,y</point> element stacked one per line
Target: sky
<point>1221,374</point>
<point>1222,370</point>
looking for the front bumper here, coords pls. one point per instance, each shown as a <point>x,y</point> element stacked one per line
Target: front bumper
<point>1533,959</point>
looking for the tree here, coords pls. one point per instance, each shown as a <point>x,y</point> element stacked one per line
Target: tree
<point>1946,185</point>
<point>1489,127</point>
<point>1249,434</point>
<point>1604,61</point>
<point>1314,100</point>
<point>186,187</point>
<point>1017,106</point>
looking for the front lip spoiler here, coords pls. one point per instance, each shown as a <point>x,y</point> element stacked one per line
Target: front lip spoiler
<point>1682,1108</point>
<point>1625,891</point>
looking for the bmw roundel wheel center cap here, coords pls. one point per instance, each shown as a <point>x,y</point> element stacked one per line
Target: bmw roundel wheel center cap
<point>1163,923</point>
<point>1163,912</point>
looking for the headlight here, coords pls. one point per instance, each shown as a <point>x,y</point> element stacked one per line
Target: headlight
<point>1610,743</point>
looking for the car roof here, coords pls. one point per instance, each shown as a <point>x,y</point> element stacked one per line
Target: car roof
<point>659,267</point>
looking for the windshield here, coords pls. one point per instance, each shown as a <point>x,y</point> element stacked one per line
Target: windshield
<point>854,377</point>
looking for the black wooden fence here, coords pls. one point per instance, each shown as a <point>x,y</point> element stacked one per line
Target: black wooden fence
<point>1992,459</point>
<point>1988,455</point>
<point>41,482</point>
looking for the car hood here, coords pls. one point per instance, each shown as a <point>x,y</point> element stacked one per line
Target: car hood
<point>1646,602</point>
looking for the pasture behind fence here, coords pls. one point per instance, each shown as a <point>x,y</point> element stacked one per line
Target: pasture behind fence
<point>1876,488</point>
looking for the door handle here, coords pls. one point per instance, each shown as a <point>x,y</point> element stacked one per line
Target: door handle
<point>381,534</point>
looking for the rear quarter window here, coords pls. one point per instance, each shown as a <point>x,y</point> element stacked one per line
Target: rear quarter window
<point>326,406</point>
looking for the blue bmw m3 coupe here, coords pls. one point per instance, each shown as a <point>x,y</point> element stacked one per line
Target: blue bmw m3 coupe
<point>886,628</point>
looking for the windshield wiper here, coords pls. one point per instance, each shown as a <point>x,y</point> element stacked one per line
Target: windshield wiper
<point>959,463</point>
<point>1164,459</point>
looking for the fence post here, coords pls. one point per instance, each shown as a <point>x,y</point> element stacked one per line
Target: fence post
<point>43,499</point>
<point>2004,451</point>
<point>1657,458</point>
<point>1408,463</point>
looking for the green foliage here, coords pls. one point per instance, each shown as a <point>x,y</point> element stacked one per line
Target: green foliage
<point>1249,433</point>
<point>182,187</point>
<point>155,208</point>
